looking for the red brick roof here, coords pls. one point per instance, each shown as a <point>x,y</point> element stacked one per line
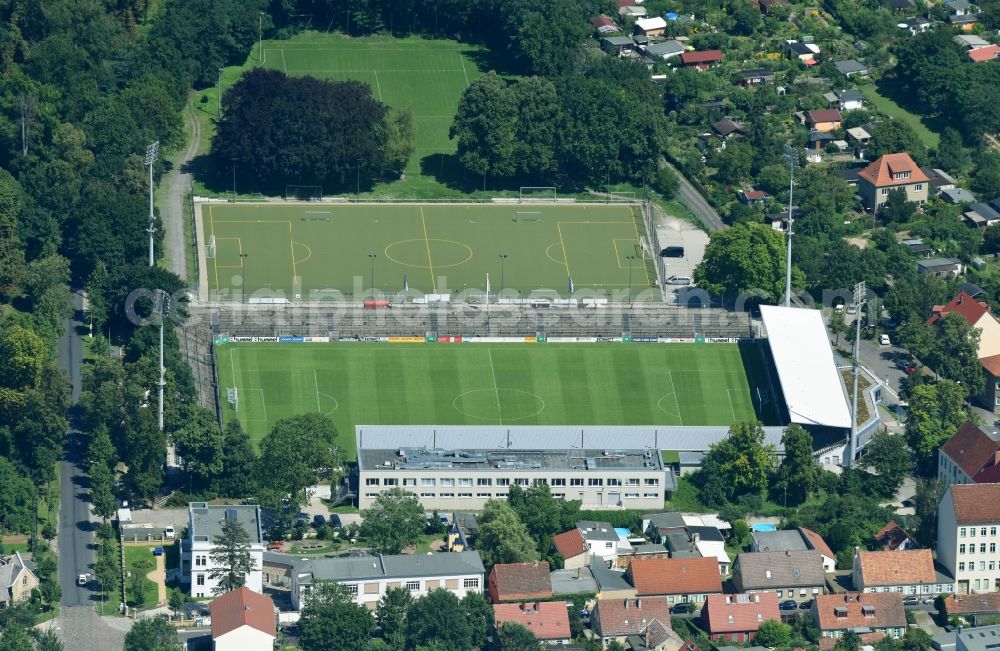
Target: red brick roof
<point>969,308</point>
<point>817,542</point>
<point>242,607</point>
<point>662,576</point>
<point>548,620</point>
<point>630,616</point>
<point>826,115</point>
<point>733,613</point>
<point>988,53</point>
<point>880,172</point>
<point>520,581</point>
<point>991,364</point>
<point>976,503</point>
<point>704,56</point>
<point>970,449</point>
<point>899,567</point>
<point>755,195</point>
<point>602,21</point>
<point>891,536</point>
<point>983,602</point>
<point>843,611</point>
<point>570,543</point>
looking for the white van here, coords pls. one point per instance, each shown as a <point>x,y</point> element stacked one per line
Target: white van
<point>679,280</point>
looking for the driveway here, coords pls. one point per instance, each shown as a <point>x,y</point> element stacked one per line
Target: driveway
<point>674,231</point>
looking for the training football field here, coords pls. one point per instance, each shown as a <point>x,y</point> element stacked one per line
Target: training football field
<point>301,250</point>
<point>483,384</point>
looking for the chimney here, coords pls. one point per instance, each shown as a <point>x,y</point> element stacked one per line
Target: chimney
<point>695,537</point>
<point>638,603</point>
<point>626,603</point>
<point>788,552</point>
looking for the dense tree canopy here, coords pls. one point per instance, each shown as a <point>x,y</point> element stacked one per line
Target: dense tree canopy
<point>280,129</point>
<point>747,258</point>
<point>394,521</point>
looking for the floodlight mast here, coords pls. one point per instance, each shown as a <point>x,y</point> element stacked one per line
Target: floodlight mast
<point>852,445</point>
<point>792,157</point>
<point>162,307</point>
<point>152,151</point>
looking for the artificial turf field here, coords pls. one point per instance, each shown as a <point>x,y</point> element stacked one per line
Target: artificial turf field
<point>307,248</point>
<point>487,384</point>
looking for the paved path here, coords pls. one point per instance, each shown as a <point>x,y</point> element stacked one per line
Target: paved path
<point>691,198</point>
<point>159,577</point>
<point>172,211</point>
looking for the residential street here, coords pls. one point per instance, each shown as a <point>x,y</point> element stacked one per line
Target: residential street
<point>78,623</point>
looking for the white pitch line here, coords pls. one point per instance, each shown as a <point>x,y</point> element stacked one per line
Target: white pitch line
<point>731,408</point>
<point>463,70</point>
<point>378,86</point>
<point>283,65</point>
<point>496,388</point>
<point>676,404</point>
<point>319,409</point>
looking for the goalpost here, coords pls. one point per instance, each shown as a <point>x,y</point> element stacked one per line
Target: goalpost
<point>234,399</point>
<point>537,193</point>
<point>621,197</point>
<point>210,247</point>
<point>303,192</point>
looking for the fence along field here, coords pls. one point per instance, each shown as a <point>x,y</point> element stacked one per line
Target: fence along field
<point>485,384</point>
<point>297,250</point>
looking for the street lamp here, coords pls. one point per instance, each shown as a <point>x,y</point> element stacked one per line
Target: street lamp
<point>630,259</point>
<point>371,259</point>
<point>243,274</point>
<point>260,35</point>
<point>792,158</point>
<point>152,151</point>
<point>502,256</point>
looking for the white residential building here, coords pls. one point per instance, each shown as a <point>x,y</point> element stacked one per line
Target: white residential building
<point>968,527</point>
<point>204,526</point>
<point>243,620</point>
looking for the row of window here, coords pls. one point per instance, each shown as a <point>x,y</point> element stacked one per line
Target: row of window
<point>982,548</point>
<point>503,496</point>
<point>983,565</point>
<point>412,586</point>
<point>972,531</point>
<point>506,481</point>
<point>910,589</point>
<point>917,187</point>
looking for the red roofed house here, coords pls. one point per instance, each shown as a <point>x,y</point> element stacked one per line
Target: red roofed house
<point>969,457</point>
<point>977,314</point>
<point>816,542</point>
<point>968,522</point>
<point>889,172</point>
<point>826,120</point>
<point>909,571</point>
<point>604,25</point>
<point>243,620</point>
<point>882,612</point>
<point>702,60</point>
<point>519,582</point>
<point>753,197</point>
<point>573,548</point>
<point>646,621</point>
<point>891,537</point>
<point>678,579</point>
<point>867,639</point>
<point>548,620</point>
<point>988,53</point>
<point>736,617</point>
<point>971,606</point>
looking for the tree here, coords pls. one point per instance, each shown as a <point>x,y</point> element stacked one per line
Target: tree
<point>888,456</point>
<point>231,558</point>
<point>394,521</point>
<point>199,444</point>
<point>892,136</point>
<point>152,634</point>
<point>543,514</point>
<point>849,641</point>
<point>502,537</point>
<point>897,208</point>
<point>485,127</point>
<point>838,326</point>
<point>479,614</point>
<point>773,633</point>
<point>734,162</point>
<point>11,249</point>
<point>925,504</point>
<point>136,590</point>
<point>237,456</point>
<point>666,182</point>
<point>745,259</point>
<point>515,637</point>
<point>955,354</point>
<point>17,499</point>
<point>331,622</point>
<point>935,412</point>
<point>986,178</point>
<point>279,128</point>
<point>295,453</point>
<point>798,474</point>
<point>739,464</point>
<point>438,617</point>
<point>391,616</point>
<point>951,154</point>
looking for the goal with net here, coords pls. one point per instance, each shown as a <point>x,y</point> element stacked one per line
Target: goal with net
<point>210,247</point>
<point>539,193</point>
<point>621,197</point>
<point>234,399</point>
<point>527,216</point>
<point>303,192</point>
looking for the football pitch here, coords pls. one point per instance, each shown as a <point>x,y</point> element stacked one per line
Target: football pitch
<point>311,250</point>
<point>484,384</point>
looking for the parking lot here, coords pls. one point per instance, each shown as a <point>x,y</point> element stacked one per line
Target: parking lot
<point>673,231</point>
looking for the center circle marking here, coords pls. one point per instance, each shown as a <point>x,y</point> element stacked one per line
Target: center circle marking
<point>471,400</point>
<point>416,249</point>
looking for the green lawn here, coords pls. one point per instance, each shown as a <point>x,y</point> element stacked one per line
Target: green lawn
<point>305,248</point>
<point>885,104</point>
<point>483,384</point>
<point>424,75</point>
<point>140,561</point>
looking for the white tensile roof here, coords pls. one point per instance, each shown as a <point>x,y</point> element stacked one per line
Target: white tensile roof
<point>807,371</point>
<point>646,24</point>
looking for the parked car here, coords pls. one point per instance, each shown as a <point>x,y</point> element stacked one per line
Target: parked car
<point>672,252</point>
<point>319,520</point>
<point>81,580</point>
<point>883,340</point>
<point>681,608</point>
<point>806,605</point>
<point>275,545</point>
<point>789,604</point>
<point>911,600</point>
<point>335,521</point>
<point>169,531</point>
<point>679,280</point>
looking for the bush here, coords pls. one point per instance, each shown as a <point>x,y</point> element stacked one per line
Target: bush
<point>666,182</point>
<point>626,518</point>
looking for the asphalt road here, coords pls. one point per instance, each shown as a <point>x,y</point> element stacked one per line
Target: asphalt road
<point>78,623</point>
<point>178,184</point>
<point>697,204</point>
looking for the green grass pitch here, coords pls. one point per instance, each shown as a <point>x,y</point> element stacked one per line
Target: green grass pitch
<point>483,384</point>
<point>306,248</point>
